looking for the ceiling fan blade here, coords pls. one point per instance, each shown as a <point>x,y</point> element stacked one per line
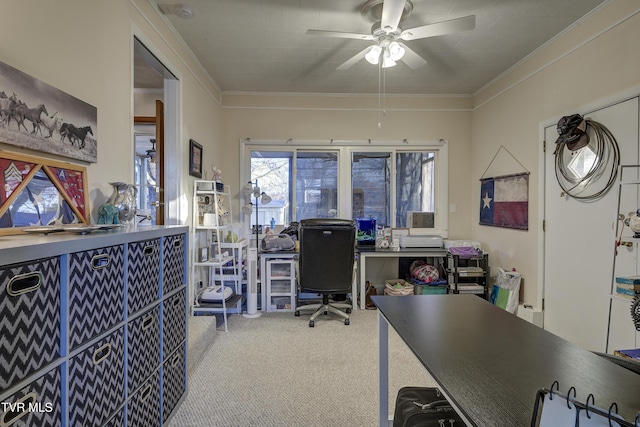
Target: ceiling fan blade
<point>354,59</point>
<point>412,59</point>
<point>440,28</point>
<point>391,14</point>
<point>339,34</point>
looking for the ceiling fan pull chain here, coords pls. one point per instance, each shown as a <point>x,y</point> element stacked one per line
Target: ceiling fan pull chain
<point>379,95</point>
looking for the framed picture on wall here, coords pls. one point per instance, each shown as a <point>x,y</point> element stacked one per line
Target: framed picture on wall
<point>40,117</point>
<point>195,159</point>
<point>41,192</point>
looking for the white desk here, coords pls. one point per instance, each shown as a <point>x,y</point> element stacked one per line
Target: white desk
<point>363,255</point>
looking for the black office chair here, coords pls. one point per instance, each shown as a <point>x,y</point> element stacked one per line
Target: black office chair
<point>325,265</point>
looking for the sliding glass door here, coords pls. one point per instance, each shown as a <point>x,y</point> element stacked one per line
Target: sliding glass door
<point>313,175</point>
<point>316,184</point>
<point>398,185</point>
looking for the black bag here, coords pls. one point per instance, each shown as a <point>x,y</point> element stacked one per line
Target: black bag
<point>424,407</point>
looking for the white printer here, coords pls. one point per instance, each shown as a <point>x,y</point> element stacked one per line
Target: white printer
<point>421,241</point>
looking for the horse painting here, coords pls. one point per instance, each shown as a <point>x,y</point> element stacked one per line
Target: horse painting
<point>6,106</point>
<point>22,112</point>
<point>51,123</point>
<point>74,134</point>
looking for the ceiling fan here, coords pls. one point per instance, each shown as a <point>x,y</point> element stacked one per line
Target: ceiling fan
<point>151,153</point>
<point>388,36</point>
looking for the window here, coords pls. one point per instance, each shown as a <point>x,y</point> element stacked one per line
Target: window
<point>316,184</point>
<point>370,184</point>
<point>399,186</point>
<point>415,172</point>
<point>272,171</point>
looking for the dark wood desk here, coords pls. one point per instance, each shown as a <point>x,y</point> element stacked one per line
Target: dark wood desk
<point>490,363</point>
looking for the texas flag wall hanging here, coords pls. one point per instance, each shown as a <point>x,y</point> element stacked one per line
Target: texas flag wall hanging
<point>504,201</point>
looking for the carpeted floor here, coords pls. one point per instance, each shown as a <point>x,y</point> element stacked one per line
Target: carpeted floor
<point>276,371</point>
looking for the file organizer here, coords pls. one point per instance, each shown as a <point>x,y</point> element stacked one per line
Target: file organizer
<point>554,409</point>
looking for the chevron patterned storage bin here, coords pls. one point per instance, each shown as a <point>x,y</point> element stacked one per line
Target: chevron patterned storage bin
<point>143,275</point>
<point>87,337</point>
<point>96,292</point>
<point>30,320</point>
<point>117,420</point>
<point>174,380</point>
<point>143,408</point>
<point>172,263</point>
<point>96,383</point>
<point>40,403</point>
<point>174,322</point>
<point>143,347</point>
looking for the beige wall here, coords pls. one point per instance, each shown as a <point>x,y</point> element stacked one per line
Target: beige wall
<point>84,48</point>
<point>281,117</point>
<point>589,66</point>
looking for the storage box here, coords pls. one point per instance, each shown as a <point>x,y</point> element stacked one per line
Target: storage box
<point>30,324</point>
<point>397,283</point>
<point>429,290</point>
<point>95,309</point>
<point>397,287</point>
<point>96,383</point>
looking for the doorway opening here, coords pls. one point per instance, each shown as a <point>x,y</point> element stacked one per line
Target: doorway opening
<point>154,85</point>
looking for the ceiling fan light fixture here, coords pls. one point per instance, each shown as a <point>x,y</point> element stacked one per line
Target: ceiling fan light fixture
<point>396,51</point>
<point>387,60</point>
<point>373,56</point>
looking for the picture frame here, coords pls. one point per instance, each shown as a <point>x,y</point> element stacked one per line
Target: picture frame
<point>41,192</point>
<point>203,254</point>
<point>66,125</point>
<point>195,159</point>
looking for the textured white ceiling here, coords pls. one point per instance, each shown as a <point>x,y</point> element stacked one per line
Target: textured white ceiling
<point>261,45</point>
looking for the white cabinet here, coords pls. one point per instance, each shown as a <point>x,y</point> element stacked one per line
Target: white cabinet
<point>217,266</point>
<point>280,285</point>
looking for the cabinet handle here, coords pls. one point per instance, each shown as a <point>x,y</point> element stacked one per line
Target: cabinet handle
<point>101,354</point>
<point>100,261</point>
<point>147,322</point>
<point>176,360</point>
<point>144,394</point>
<point>24,283</point>
<point>18,409</point>
<point>177,243</point>
<point>148,250</point>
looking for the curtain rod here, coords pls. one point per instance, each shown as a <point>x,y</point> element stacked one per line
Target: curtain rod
<point>336,142</point>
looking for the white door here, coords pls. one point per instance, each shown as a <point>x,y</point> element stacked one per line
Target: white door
<point>579,240</point>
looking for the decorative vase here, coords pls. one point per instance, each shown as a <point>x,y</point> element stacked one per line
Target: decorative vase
<point>124,198</point>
